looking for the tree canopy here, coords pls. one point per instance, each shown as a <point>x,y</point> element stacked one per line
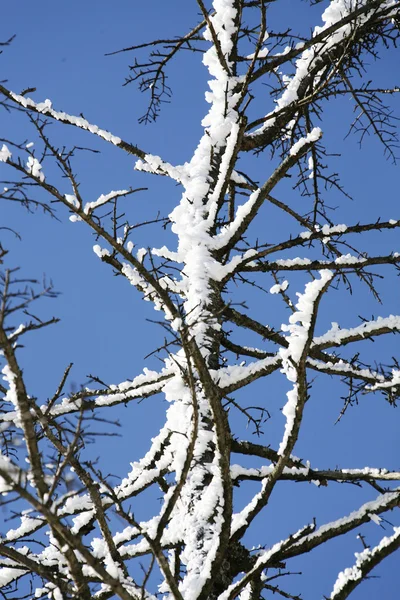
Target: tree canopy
<point>250,251</point>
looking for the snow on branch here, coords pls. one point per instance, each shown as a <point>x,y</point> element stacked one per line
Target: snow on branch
<point>103,199</point>
<point>382,385</point>
<point>337,336</point>
<point>340,19</point>
<point>265,558</point>
<point>5,154</point>
<point>154,164</point>
<point>345,369</point>
<point>351,577</point>
<point>345,524</point>
<point>311,137</point>
<point>45,108</point>
<point>142,386</point>
<point>345,261</point>
<point>300,330</point>
<point>213,270</point>
<point>245,213</point>
<point>307,474</point>
<point>34,167</point>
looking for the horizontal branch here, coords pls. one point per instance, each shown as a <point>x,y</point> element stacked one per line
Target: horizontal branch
<point>297,473</point>
<point>345,262</point>
<point>90,399</point>
<point>313,233</point>
<point>337,337</point>
<point>251,449</point>
<point>155,163</point>
<point>341,526</point>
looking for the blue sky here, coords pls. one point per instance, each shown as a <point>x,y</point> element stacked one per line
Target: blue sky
<point>59,49</point>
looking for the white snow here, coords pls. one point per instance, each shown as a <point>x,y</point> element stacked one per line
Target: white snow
<point>336,335</point>
<point>5,154</point>
<point>335,11</point>
<point>298,329</point>
<point>45,108</point>
<point>291,262</point>
<point>376,519</point>
<point>393,382</point>
<point>100,252</point>
<point>263,53</point>
<point>103,199</point>
<point>310,138</point>
<point>155,164</point>
<point>349,259</point>
<point>12,395</point>
<point>355,573</point>
<point>197,518</point>
<point>279,287</point>
<point>330,230</point>
<point>356,517</point>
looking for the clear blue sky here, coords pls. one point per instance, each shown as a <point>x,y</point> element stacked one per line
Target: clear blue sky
<point>59,49</point>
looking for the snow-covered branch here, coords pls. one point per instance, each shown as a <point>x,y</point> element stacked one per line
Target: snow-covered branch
<point>245,285</point>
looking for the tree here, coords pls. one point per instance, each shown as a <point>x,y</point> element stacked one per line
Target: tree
<point>237,229</point>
